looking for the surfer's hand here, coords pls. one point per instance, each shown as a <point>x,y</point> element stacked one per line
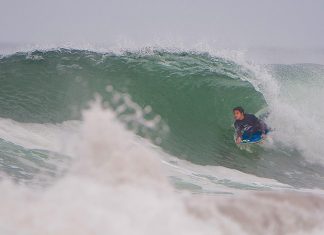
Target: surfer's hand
<point>238,140</point>
<point>264,136</point>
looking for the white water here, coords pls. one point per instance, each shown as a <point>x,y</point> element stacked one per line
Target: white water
<point>39,136</point>
<point>298,113</point>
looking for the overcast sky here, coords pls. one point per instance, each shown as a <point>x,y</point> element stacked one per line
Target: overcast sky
<point>242,23</point>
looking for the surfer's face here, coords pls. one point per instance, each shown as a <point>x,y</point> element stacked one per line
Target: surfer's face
<point>238,115</point>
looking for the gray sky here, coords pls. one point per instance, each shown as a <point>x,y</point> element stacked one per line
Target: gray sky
<point>240,23</point>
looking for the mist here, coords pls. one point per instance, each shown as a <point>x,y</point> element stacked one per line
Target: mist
<point>251,23</point>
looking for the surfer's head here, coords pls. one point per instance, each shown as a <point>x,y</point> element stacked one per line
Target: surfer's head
<point>238,113</point>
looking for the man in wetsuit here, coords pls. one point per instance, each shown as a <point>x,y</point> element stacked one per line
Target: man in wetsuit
<point>247,125</point>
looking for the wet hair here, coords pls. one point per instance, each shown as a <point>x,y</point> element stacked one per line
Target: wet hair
<point>240,109</point>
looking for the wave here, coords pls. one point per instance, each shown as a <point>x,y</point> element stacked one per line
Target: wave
<point>180,100</point>
<point>107,136</point>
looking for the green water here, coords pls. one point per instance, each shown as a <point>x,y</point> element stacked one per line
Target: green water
<point>193,93</point>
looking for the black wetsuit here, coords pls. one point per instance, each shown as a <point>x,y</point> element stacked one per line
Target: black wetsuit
<point>249,125</point>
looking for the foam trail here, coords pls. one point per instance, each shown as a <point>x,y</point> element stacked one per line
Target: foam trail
<point>39,136</point>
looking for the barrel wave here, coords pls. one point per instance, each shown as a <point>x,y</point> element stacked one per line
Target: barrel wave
<point>188,95</point>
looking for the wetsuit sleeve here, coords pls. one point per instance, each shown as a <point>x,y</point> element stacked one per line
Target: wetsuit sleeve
<point>260,124</point>
<point>263,126</point>
<point>238,129</point>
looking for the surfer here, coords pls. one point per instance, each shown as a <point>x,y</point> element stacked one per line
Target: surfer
<point>247,125</point>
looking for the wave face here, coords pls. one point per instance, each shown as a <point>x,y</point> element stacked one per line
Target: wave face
<point>181,101</point>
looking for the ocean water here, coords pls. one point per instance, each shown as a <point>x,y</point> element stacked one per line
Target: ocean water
<point>141,142</point>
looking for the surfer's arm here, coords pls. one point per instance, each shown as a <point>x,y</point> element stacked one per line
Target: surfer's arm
<point>238,130</point>
<point>260,123</point>
<point>239,134</point>
<point>263,126</point>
